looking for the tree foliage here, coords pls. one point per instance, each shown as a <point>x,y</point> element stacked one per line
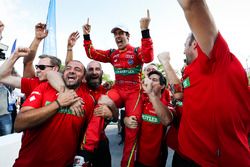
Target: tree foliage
<point>106,78</point>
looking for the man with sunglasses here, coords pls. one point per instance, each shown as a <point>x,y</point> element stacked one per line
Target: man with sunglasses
<point>45,64</point>
<point>29,81</point>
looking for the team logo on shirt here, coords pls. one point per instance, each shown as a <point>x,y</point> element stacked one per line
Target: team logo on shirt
<point>179,103</point>
<point>32,98</point>
<point>186,82</point>
<point>150,118</point>
<point>115,57</point>
<point>130,61</point>
<point>128,71</point>
<point>64,110</point>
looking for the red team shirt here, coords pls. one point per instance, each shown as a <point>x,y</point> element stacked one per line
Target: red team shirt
<point>151,134</point>
<point>172,134</point>
<point>28,85</point>
<point>127,63</point>
<point>216,109</point>
<point>97,92</point>
<point>54,142</point>
<point>126,93</point>
<point>95,130</point>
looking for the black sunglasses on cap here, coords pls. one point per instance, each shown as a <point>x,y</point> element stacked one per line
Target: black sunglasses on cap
<point>42,67</point>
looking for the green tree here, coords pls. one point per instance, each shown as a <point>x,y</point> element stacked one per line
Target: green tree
<point>106,78</point>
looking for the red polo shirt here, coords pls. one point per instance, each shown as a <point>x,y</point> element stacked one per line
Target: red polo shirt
<point>216,109</point>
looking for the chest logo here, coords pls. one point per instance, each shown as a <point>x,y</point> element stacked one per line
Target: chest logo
<point>150,118</point>
<point>130,61</point>
<point>186,82</point>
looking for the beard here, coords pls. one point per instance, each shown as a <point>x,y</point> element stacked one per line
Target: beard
<point>72,85</point>
<point>93,83</point>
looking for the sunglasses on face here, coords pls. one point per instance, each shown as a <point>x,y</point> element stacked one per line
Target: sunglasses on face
<point>42,67</point>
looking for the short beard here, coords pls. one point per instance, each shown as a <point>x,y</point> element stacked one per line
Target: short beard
<point>73,86</point>
<point>93,85</point>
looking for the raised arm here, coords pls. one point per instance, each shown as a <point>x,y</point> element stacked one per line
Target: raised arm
<point>40,33</point>
<point>144,22</point>
<point>147,52</point>
<point>91,52</point>
<point>173,80</point>
<point>7,66</point>
<point>200,22</point>
<point>74,36</point>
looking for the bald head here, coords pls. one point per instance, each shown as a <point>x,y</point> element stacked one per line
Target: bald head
<point>94,74</point>
<point>73,74</point>
<point>94,64</point>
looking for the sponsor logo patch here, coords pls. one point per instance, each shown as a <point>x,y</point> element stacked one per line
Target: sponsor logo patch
<point>186,82</point>
<point>32,98</point>
<point>130,61</point>
<point>63,110</point>
<point>150,118</point>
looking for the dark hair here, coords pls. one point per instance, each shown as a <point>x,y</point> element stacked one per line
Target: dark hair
<point>53,60</point>
<point>192,38</point>
<point>162,78</point>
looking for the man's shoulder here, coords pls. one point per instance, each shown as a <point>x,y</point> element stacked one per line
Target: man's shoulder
<point>220,47</point>
<point>44,86</point>
<point>34,80</point>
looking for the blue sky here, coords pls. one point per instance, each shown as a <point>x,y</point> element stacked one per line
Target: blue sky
<point>168,26</point>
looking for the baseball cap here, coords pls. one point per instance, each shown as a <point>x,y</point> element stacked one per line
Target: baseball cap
<point>121,27</point>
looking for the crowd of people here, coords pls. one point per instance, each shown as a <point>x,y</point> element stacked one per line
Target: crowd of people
<point>10,99</point>
<point>203,116</point>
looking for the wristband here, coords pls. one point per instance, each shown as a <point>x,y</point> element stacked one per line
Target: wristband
<point>57,102</point>
<point>69,49</point>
